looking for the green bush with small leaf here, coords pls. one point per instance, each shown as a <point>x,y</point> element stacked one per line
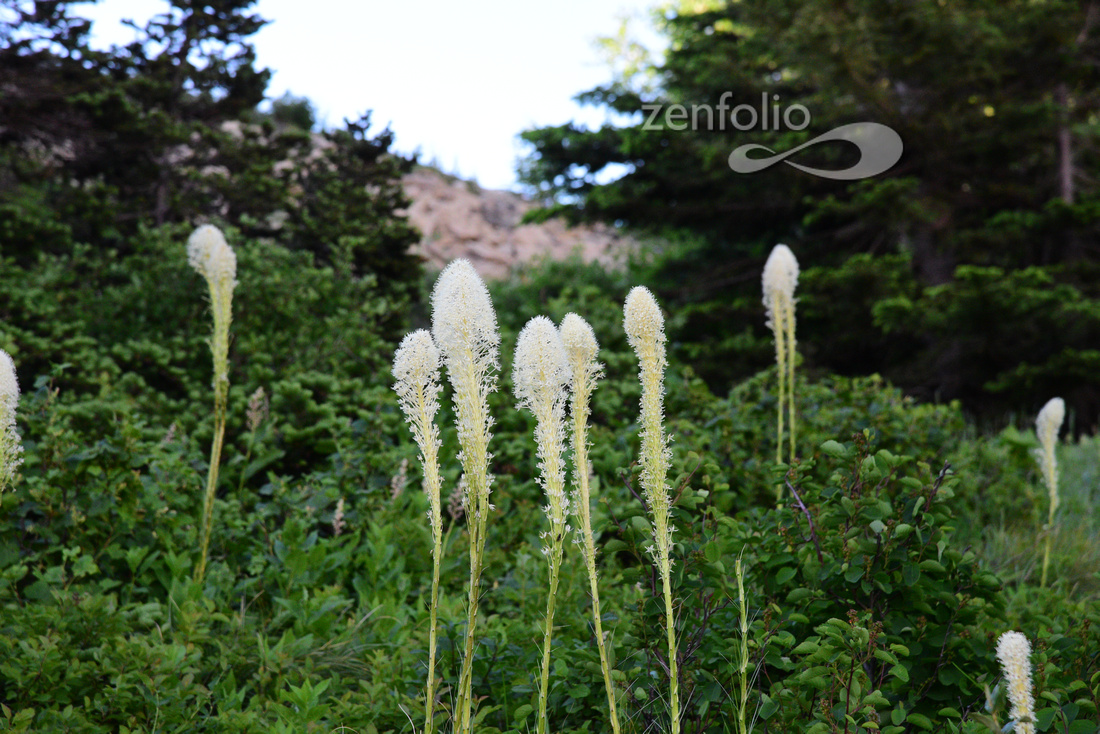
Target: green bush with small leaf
<point>874,600</point>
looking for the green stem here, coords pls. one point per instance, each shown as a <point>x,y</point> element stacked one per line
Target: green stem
<point>743,663</point>
<point>465,681</point>
<point>429,704</point>
<point>212,481</point>
<point>781,369</point>
<point>475,464</point>
<point>604,666</point>
<point>789,322</point>
<point>544,687</point>
<point>1046,557</point>
<point>778,316</point>
<point>670,618</point>
<point>582,387</point>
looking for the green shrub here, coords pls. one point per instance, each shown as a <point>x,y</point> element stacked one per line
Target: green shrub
<point>305,623</point>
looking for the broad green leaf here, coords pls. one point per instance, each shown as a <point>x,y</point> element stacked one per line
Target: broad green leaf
<point>919,720</point>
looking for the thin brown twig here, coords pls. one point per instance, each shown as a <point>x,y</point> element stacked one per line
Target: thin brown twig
<point>809,519</point>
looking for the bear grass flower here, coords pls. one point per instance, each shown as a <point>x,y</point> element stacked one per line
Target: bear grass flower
<point>779,281</point>
<point>10,445</point>
<point>645,331</point>
<point>416,366</point>
<point>464,328</point>
<point>213,258</point>
<point>1047,426</point>
<point>581,349</point>
<point>541,377</point>
<point>1014,652</point>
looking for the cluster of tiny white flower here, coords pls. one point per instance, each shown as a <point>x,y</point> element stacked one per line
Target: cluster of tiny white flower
<point>10,445</point>
<point>1047,426</point>
<point>780,280</point>
<point>464,328</point>
<point>211,255</point>
<point>1014,653</point>
<point>645,331</point>
<point>214,259</point>
<point>416,367</point>
<point>541,377</point>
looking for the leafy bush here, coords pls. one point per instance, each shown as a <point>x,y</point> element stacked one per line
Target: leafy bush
<point>313,612</point>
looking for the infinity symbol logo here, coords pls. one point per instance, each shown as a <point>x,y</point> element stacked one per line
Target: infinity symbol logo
<point>879,149</point>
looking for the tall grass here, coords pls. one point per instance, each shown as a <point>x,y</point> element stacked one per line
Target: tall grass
<point>743,652</point>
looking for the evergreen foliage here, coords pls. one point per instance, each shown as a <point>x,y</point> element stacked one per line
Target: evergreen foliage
<point>96,144</point>
<point>996,105</point>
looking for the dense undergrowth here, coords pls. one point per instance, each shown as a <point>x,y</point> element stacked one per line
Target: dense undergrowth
<point>875,601</point>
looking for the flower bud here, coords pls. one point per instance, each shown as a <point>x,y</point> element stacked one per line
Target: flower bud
<point>579,339</point>
<point>644,324</point>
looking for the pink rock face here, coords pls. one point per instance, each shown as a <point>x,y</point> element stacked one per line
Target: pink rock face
<point>458,219</point>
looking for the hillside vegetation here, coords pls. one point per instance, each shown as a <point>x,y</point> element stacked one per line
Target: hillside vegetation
<point>214,516</point>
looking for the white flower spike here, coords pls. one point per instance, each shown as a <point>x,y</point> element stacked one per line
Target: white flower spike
<point>541,376</point>
<point>211,255</point>
<point>10,445</point>
<point>1014,653</point>
<point>464,328</point>
<point>780,277</point>
<point>1047,426</point>
<point>780,280</point>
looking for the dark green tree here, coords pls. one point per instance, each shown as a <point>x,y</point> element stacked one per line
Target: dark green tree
<point>347,193</point>
<point>996,105</point>
<point>292,110</point>
<point>95,145</point>
<point>116,138</point>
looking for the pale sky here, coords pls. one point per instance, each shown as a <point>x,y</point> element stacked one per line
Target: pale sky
<point>457,80</point>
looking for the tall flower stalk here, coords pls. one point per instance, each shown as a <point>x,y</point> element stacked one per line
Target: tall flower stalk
<point>213,258</point>
<point>1014,653</point>
<point>416,371</point>
<point>541,376</point>
<point>10,445</point>
<point>645,331</point>
<point>780,280</point>
<point>464,328</point>
<point>1047,426</point>
<point>581,349</point>
<point>743,657</point>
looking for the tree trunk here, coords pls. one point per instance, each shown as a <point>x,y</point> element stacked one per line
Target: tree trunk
<point>1066,170</point>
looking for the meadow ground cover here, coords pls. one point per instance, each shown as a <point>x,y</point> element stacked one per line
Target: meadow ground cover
<point>338,596</point>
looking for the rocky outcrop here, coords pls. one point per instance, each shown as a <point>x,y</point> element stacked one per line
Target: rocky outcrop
<point>459,219</point>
